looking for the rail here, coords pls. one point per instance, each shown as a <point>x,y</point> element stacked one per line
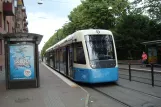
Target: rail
<point>151,71</point>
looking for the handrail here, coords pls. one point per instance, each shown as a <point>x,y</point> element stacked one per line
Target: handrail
<point>152,71</point>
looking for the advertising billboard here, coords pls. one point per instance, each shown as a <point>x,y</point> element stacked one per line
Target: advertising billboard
<point>152,55</point>
<point>22,62</point>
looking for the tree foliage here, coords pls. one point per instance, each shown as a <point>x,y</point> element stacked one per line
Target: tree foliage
<point>151,7</point>
<point>97,13</point>
<point>134,29</point>
<point>131,23</point>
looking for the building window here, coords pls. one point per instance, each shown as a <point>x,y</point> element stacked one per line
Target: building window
<point>7,26</point>
<point>0,19</point>
<point>13,18</point>
<point>13,30</point>
<point>4,18</point>
<point>0,46</point>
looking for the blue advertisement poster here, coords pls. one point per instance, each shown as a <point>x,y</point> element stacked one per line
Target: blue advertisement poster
<point>22,62</point>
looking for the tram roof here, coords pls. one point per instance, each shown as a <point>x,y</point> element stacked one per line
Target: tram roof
<point>86,31</point>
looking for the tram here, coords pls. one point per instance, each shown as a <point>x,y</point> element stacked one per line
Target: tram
<point>87,56</point>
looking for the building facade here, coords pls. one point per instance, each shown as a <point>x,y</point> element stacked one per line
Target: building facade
<point>12,20</point>
<point>21,22</point>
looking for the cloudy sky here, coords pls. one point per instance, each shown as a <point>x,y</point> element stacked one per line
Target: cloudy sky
<point>46,18</point>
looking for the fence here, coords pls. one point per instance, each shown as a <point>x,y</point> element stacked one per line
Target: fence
<point>141,75</point>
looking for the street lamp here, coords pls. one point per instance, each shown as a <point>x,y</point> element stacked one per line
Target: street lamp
<point>40,2</point>
<point>57,35</point>
<point>110,8</point>
<point>110,15</point>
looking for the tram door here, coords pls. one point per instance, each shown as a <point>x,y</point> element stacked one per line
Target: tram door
<point>70,61</point>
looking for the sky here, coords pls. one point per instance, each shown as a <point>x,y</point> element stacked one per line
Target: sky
<point>45,19</point>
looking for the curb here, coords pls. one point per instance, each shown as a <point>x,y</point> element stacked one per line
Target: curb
<point>88,95</point>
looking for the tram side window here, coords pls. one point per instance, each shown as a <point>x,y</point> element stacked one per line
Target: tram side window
<point>64,55</point>
<point>79,53</point>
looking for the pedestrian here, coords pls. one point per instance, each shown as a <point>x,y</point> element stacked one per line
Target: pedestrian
<point>144,59</point>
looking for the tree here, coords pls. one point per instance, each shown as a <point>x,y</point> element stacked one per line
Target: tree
<point>91,14</point>
<point>151,7</point>
<point>49,43</point>
<point>59,35</point>
<point>130,24</point>
<point>96,14</point>
<point>134,29</point>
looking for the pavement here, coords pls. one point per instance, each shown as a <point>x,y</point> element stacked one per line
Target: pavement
<point>53,92</point>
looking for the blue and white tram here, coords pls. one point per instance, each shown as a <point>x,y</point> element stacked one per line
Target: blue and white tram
<point>86,56</point>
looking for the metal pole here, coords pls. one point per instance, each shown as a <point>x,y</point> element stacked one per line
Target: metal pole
<point>59,60</point>
<point>57,36</point>
<point>152,74</point>
<point>130,71</point>
<point>6,64</point>
<point>37,65</point>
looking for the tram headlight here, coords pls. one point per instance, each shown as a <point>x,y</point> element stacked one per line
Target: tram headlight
<point>93,65</point>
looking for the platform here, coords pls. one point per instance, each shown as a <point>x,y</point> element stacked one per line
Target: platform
<point>53,92</point>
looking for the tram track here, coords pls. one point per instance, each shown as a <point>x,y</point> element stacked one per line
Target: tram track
<point>140,77</point>
<point>141,81</point>
<point>111,97</point>
<point>106,91</point>
<point>151,95</point>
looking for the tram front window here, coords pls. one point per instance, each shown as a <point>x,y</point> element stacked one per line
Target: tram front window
<point>100,47</point>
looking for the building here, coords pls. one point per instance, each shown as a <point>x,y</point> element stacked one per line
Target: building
<point>21,22</point>
<point>7,16</point>
<point>12,20</point>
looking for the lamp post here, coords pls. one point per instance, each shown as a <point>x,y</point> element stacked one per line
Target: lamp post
<point>110,8</point>
<point>40,2</point>
<point>110,24</point>
<point>57,35</point>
